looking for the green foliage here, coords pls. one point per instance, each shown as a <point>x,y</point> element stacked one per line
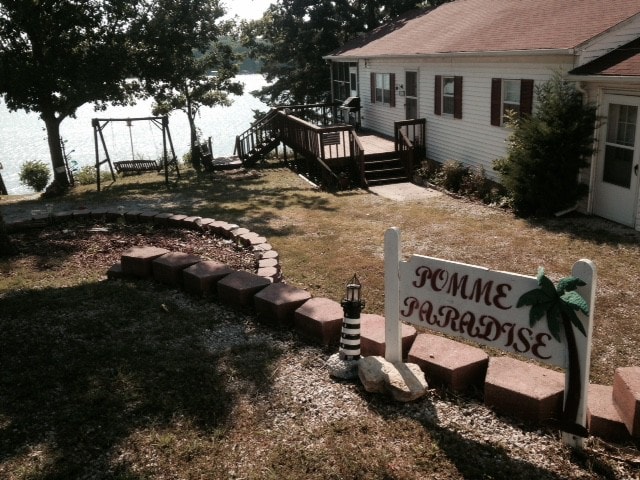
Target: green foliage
<point>35,174</point>
<point>86,175</point>
<point>547,150</point>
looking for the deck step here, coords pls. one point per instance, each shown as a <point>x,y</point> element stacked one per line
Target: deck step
<point>382,170</point>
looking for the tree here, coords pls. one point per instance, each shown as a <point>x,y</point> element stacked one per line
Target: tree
<point>547,150</point>
<point>195,67</point>
<point>293,36</point>
<point>559,305</point>
<point>56,55</point>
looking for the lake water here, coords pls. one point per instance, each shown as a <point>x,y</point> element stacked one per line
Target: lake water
<point>23,137</point>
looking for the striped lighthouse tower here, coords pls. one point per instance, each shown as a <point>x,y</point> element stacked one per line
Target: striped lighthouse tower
<point>350,337</point>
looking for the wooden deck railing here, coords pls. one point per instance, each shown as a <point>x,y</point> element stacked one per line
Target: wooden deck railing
<point>317,145</point>
<point>321,114</point>
<point>260,132</point>
<point>410,141</point>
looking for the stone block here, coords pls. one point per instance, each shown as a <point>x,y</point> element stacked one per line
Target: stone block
<point>168,268</point>
<point>448,363</point>
<point>148,216</point>
<point>603,418</point>
<point>136,261</point>
<point>238,288</point>
<point>162,218</point>
<point>523,390</point>
<point>270,273</point>
<point>269,254</point>
<point>193,222</point>
<point>176,220</point>
<point>132,215</point>
<point>202,277</point>
<point>626,395</point>
<point>372,336</point>
<point>320,320</point>
<point>278,302</point>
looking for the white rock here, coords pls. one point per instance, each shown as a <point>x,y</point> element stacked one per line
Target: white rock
<point>404,381</point>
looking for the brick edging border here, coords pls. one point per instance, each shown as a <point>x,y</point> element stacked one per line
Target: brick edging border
<point>268,263</point>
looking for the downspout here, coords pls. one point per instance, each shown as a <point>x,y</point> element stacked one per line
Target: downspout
<point>594,156</point>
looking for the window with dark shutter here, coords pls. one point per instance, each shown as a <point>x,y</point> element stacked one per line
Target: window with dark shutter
<point>392,90</point>
<point>373,87</point>
<point>526,97</point>
<point>457,97</point>
<point>437,100</point>
<point>496,102</point>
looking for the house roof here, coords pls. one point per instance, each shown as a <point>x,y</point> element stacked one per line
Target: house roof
<point>623,61</point>
<point>479,26</point>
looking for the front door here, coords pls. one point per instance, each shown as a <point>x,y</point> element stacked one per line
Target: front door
<point>616,188</point>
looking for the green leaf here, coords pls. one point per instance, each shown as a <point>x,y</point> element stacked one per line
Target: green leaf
<point>569,284</point>
<point>554,321</point>
<point>547,286</point>
<point>573,318</point>
<point>576,302</point>
<point>540,274</point>
<point>532,297</point>
<point>538,311</point>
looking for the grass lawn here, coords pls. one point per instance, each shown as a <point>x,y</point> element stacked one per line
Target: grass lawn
<point>98,381</point>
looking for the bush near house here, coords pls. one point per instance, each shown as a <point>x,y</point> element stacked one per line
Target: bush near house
<point>547,150</point>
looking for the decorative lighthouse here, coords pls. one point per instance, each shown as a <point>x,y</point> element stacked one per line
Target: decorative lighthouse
<point>344,364</point>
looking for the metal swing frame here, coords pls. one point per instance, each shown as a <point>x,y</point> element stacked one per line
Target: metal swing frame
<point>134,166</point>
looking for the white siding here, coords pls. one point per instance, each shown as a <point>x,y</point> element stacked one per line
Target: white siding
<point>472,139</point>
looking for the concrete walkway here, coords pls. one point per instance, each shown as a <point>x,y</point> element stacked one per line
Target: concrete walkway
<point>404,191</point>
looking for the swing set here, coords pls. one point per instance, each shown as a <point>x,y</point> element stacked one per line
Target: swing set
<point>134,165</point>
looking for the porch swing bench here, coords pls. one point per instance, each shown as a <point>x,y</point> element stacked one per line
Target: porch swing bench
<point>136,166</point>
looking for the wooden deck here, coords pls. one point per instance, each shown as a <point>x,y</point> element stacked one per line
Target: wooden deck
<point>374,144</point>
<point>337,145</point>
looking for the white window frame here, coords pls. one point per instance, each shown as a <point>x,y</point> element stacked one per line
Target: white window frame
<point>448,98</point>
<point>383,88</point>
<point>512,86</point>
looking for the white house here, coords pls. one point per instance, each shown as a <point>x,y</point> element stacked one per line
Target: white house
<point>465,63</point>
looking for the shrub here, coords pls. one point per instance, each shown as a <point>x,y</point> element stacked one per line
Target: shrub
<point>451,175</point>
<point>476,184</point>
<point>35,174</point>
<point>547,150</point>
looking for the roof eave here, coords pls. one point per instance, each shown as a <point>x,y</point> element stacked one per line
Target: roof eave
<point>487,53</point>
<point>604,78</point>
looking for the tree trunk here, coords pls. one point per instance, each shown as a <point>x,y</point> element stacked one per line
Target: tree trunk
<point>195,148</point>
<point>572,400</point>
<point>60,179</point>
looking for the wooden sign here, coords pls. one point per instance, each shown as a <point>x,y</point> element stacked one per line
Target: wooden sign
<point>503,310</point>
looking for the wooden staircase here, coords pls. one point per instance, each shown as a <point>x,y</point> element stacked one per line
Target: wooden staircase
<point>384,169</point>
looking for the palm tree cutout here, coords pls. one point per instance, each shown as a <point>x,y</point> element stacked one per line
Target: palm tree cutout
<point>560,304</point>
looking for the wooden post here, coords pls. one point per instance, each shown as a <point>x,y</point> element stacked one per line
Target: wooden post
<point>393,343</point>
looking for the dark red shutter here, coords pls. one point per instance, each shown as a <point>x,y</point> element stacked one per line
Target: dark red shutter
<point>392,88</point>
<point>457,97</point>
<point>526,97</point>
<point>496,101</point>
<point>373,87</point>
<point>437,98</point>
